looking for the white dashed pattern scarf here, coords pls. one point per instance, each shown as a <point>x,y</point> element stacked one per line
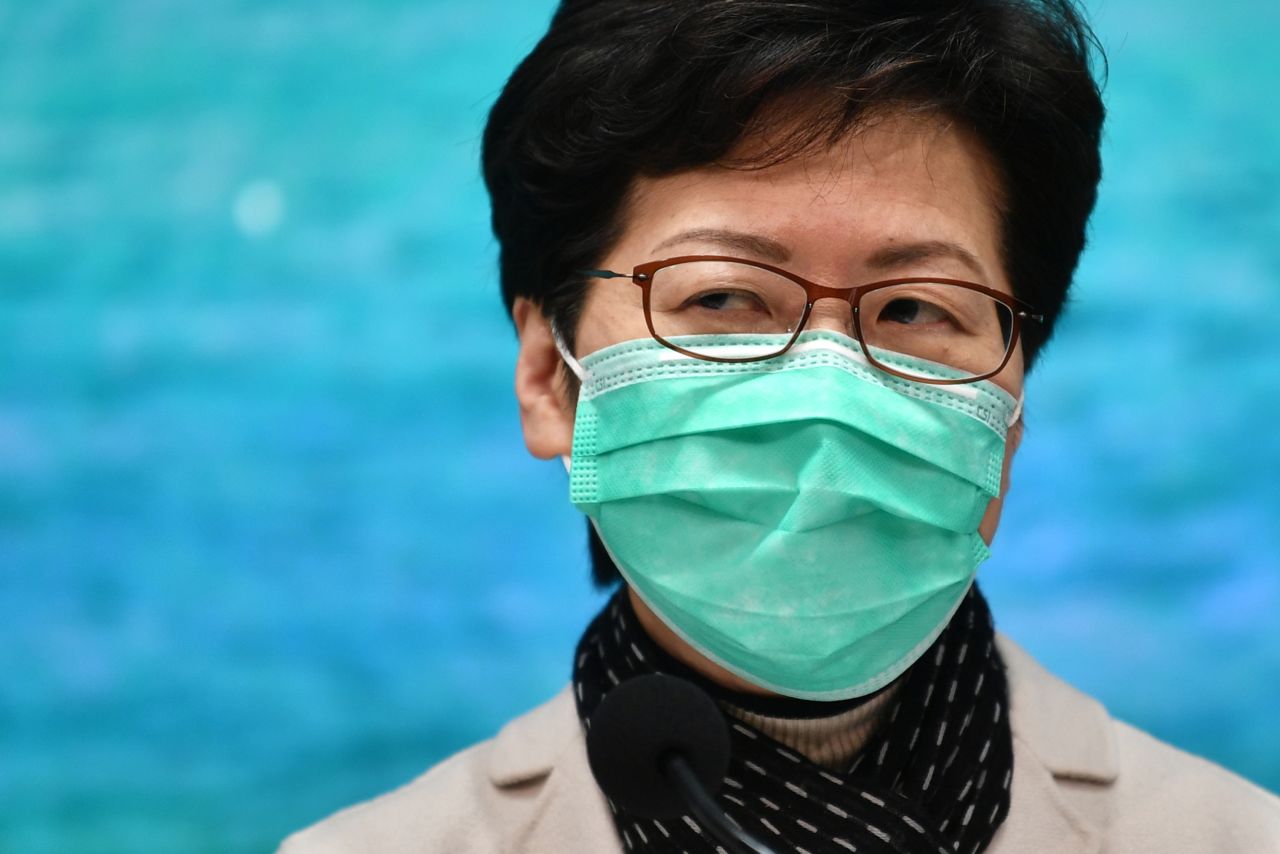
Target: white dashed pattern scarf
<point>934,779</point>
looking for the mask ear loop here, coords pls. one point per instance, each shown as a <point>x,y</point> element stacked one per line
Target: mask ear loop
<point>574,365</point>
<point>1017,410</point>
<point>563,350</point>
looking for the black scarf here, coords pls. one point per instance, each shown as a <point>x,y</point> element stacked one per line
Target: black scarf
<point>933,779</point>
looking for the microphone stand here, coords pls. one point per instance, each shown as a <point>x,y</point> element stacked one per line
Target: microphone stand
<point>736,839</point>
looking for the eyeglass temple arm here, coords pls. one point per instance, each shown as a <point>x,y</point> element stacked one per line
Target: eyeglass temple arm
<point>1038,318</point>
<point>610,274</point>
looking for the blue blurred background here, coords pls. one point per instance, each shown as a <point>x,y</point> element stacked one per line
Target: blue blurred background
<point>269,539</point>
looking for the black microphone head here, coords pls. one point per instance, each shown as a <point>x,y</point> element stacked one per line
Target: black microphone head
<point>641,721</point>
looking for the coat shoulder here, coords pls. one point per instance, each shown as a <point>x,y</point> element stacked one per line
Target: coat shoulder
<point>1119,789</point>
<point>1165,792</point>
<point>474,802</point>
<point>433,812</point>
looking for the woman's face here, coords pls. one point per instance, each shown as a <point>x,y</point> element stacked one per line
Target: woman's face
<point>907,196</point>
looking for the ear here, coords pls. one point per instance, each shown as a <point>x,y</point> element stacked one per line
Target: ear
<point>546,415</point>
<point>991,519</point>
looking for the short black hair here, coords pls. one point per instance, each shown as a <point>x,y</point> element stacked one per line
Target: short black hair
<point>618,89</point>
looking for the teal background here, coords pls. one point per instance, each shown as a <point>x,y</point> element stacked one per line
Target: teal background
<point>269,539</point>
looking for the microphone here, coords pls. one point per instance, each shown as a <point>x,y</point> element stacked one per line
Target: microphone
<point>659,747</point>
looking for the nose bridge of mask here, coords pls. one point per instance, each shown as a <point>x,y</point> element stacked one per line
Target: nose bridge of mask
<point>643,359</point>
<point>959,429</point>
<point>579,371</point>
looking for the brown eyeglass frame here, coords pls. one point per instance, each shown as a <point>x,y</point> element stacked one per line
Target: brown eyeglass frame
<point>642,275</point>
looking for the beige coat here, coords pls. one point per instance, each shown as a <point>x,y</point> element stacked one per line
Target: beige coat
<point>1082,782</point>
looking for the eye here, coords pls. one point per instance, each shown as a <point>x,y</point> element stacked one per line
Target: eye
<point>727,300</point>
<point>911,310</point>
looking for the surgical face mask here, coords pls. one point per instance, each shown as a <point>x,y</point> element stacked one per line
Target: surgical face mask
<point>807,522</point>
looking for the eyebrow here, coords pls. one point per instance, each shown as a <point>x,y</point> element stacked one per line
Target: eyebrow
<point>900,255</point>
<point>885,258</point>
<point>741,241</point>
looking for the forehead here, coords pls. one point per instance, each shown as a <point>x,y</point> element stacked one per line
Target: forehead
<point>897,179</point>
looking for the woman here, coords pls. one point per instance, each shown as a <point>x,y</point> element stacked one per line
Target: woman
<point>778,272</point>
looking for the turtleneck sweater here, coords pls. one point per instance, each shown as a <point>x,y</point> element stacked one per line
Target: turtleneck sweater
<point>831,741</point>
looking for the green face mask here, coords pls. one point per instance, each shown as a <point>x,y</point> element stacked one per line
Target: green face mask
<point>807,522</point>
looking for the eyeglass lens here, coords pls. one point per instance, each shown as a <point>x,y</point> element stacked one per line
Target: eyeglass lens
<point>943,323</point>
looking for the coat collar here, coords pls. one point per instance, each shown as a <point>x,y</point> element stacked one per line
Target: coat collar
<point>527,747</point>
<point>1059,734</point>
<point>1070,732</point>
<point>548,743</point>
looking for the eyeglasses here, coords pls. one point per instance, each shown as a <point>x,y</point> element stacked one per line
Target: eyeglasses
<point>970,328</point>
